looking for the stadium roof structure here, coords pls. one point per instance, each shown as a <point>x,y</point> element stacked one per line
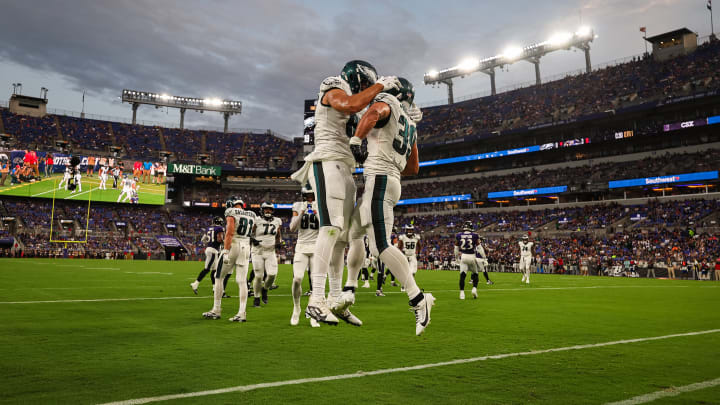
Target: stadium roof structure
<point>532,53</point>
<point>669,35</point>
<point>226,107</point>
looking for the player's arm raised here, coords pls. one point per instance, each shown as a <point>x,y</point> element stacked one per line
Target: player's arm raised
<point>377,112</point>
<point>341,101</point>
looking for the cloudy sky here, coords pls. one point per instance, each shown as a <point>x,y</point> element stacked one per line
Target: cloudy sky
<point>272,55</point>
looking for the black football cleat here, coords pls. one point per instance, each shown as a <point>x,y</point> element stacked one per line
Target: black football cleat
<point>256,302</point>
<point>264,295</point>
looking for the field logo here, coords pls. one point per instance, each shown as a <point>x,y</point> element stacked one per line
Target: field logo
<point>198,170</point>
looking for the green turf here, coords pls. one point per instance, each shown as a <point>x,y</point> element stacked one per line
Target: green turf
<point>48,188</point>
<point>92,352</point>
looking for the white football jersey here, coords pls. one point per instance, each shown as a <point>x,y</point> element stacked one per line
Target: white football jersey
<point>103,171</point>
<point>331,139</point>
<point>526,249</point>
<point>389,147</point>
<point>266,229</point>
<point>309,225</point>
<point>409,244</point>
<point>244,221</point>
<point>480,251</point>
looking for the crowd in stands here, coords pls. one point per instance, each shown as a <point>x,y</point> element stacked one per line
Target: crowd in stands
<point>635,82</point>
<point>261,150</point>
<point>565,237</point>
<point>596,173</point>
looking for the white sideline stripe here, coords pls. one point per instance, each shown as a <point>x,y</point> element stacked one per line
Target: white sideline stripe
<point>105,300</point>
<point>103,268</point>
<point>670,392</point>
<point>148,272</point>
<point>245,388</point>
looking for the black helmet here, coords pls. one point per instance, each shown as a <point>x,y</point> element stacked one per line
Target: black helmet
<point>359,75</point>
<point>233,201</point>
<point>406,92</point>
<point>467,226</point>
<point>218,221</point>
<point>306,192</point>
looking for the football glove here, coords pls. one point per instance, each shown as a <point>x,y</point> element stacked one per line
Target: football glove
<point>389,83</point>
<point>254,242</point>
<point>225,257</point>
<point>357,150</point>
<point>415,113</point>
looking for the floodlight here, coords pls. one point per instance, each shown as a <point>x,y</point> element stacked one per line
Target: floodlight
<point>469,64</point>
<point>584,31</point>
<point>433,74</point>
<point>560,38</point>
<point>512,52</point>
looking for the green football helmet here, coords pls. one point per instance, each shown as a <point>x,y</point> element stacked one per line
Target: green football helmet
<point>359,74</point>
<point>406,93</point>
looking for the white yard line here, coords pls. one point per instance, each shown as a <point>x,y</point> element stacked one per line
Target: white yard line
<point>670,392</point>
<point>359,374</point>
<point>79,194</point>
<point>148,272</point>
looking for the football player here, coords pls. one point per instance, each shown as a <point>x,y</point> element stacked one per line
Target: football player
<point>525,258</point>
<point>239,226</point>
<point>213,238</point>
<point>482,261</point>
<point>465,244</point>
<point>410,244</point>
<point>305,222</point>
<point>126,185</point>
<point>391,153</point>
<point>66,178</point>
<point>267,236</point>
<point>329,168</point>
<point>103,177</point>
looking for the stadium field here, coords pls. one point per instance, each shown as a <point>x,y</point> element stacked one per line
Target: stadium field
<point>92,331</point>
<point>47,188</point>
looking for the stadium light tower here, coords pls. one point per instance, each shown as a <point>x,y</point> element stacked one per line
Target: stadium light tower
<point>580,39</point>
<point>228,108</point>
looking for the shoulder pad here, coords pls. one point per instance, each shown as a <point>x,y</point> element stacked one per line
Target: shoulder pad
<point>386,98</point>
<point>251,214</point>
<point>278,221</point>
<point>229,212</point>
<point>297,206</point>
<point>335,82</point>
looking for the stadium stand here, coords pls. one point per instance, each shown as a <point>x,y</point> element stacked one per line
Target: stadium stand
<point>633,83</point>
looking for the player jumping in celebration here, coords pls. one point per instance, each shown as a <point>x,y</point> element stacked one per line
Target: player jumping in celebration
<point>266,237</point>
<point>525,258</point>
<point>329,168</point>
<point>239,225</point>
<point>410,243</point>
<point>213,237</point>
<point>465,244</point>
<point>103,177</point>
<point>305,222</point>
<point>391,153</point>
<point>481,259</point>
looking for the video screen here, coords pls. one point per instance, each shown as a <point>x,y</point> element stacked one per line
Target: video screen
<point>309,122</point>
<point>61,176</point>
